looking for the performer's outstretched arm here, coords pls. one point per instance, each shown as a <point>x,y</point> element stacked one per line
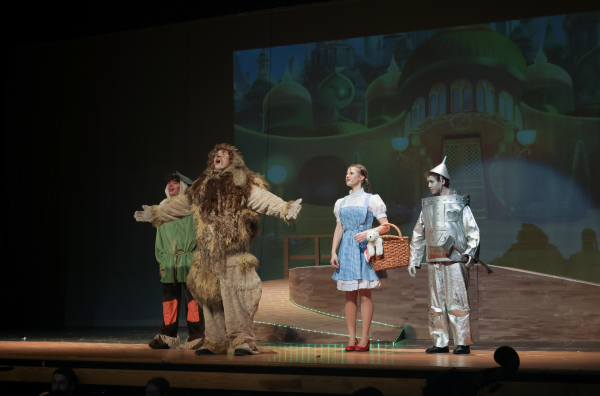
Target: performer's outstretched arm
<point>417,246</point>
<point>265,202</point>
<point>169,210</point>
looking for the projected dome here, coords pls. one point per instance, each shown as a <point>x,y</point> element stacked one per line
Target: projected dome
<point>336,91</point>
<point>382,104</point>
<point>287,92</point>
<point>544,73</point>
<point>287,109</point>
<point>466,41</point>
<point>465,50</point>
<point>550,87</point>
<point>385,84</point>
<point>464,79</point>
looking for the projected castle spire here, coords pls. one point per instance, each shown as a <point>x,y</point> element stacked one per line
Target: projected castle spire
<point>335,93</point>
<point>586,78</point>
<point>307,59</point>
<point>328,57</point>
<point>249,110</point>
<point>582,31</point>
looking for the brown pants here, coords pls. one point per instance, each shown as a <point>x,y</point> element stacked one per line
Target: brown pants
<point>231,319</point>
<point>171,298</point>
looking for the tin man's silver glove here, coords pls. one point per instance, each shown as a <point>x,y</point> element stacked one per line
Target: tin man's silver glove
<point>412,270</point>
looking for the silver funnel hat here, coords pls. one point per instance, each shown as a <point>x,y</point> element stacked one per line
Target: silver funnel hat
<point>441,169</point>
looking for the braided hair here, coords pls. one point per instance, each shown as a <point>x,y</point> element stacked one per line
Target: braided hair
<point>363,172</point>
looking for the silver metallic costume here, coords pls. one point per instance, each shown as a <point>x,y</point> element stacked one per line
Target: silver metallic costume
<point>443,216</point>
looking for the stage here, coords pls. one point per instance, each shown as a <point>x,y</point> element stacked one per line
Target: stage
<point>310,357</point>
<point>320,369</point>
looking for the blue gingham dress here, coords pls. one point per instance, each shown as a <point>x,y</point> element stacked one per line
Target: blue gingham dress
<point>353,265</point>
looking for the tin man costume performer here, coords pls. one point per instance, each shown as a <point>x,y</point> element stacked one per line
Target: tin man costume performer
<point>445,215</point>
<point>226,202</point>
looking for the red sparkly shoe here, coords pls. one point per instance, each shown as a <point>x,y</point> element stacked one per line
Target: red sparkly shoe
<point>363,349</point>
<point>351,348</point>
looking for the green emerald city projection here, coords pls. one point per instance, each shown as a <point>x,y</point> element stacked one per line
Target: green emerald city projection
<point>514,105</point>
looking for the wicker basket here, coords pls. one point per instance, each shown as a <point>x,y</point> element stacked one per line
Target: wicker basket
<point>396,253</point>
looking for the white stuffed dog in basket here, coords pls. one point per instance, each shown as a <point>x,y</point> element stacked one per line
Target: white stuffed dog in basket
<point>375,243</point>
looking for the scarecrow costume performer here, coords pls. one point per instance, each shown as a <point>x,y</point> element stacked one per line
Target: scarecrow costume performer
<point>226,201</point>
<point>174,248</point>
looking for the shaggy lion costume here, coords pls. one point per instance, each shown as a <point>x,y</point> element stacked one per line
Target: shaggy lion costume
<point>226,205</point>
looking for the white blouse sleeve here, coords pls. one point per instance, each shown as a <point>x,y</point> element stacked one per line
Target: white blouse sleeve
<point>377,206</point>
<point>336,209</point>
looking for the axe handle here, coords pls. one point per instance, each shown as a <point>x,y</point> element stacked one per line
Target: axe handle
<point>488,269</point>
<point>459,250</point>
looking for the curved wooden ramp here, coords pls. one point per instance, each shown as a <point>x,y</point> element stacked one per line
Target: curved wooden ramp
<point>510,304</point>
<point>280,320</point>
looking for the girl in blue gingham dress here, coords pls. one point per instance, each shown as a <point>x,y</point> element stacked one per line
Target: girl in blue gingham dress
<point>354,275</point>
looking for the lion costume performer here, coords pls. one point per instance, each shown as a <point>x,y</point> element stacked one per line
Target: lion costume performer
<point>226,204</point>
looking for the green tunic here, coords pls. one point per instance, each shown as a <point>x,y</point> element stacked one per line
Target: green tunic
<point>180,234</point>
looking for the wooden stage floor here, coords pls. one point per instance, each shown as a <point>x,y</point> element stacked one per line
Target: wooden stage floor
<point>549,368</point>
<point>322,369</point>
